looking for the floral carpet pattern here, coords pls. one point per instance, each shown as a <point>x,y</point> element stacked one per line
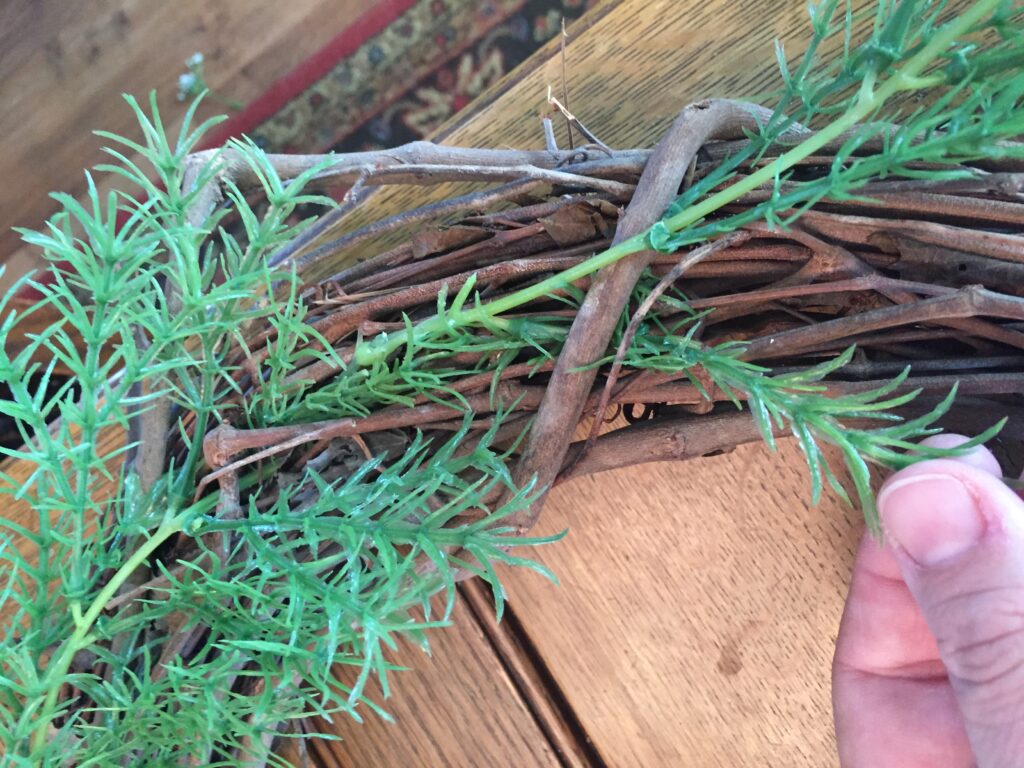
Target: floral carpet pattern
<point>427,60</point>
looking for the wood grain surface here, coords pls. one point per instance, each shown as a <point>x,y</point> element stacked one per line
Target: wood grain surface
<point>456,708</point>
<point>697,612</point>
<point>63,66</point>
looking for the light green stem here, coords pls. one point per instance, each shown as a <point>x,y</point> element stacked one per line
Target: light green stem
<point>909,77</point>
<point>80,638</point>
<point>379,349</point>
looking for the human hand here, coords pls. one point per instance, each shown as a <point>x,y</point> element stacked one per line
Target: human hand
<point>929,663</point>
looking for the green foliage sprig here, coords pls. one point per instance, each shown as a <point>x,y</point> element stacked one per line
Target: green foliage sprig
<point>800,403</point>
<point>166,300</point>
<point>971,89</point>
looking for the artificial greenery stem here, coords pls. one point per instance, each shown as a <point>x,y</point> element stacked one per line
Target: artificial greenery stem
<point>84,623</point>
<point>866,104</point>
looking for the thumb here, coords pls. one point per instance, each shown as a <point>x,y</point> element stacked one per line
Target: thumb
<point>958,535</point>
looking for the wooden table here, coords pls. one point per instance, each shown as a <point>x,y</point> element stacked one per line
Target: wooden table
<point>64,65</point>
<point>699,602</point>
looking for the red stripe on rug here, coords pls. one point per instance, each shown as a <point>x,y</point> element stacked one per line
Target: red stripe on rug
<point>271,101</point>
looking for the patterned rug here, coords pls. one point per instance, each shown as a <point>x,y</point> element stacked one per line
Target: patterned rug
<point>398,72</point>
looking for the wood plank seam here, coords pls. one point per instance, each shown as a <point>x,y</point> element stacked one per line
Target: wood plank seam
<point>537,687</point>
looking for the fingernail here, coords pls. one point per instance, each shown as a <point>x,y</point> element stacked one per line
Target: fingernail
<point>979,456</point>
<point>933,518</point>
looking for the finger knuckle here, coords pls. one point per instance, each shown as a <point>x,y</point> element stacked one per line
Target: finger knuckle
<point>982,645</point>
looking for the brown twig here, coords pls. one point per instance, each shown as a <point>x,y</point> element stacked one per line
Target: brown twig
<point>921,204</point>
<point>968,302</point>
<point>684,393</point>
<point>425,173</point>
<point>595,321</point>
<point>222,444</point>
<point>686,261</point>
<point>550,142</point>
<point>477,201</point>
<point>565,82</point>
<point>681,438</point>
<point>865,230</point>
<point>575,122</point>
<point>376,164</point>
<point>352,199</point>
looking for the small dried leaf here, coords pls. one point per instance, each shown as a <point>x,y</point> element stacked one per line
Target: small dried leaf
<point>443,240</point>
<point>607,209</point>
<point>571,225</point>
